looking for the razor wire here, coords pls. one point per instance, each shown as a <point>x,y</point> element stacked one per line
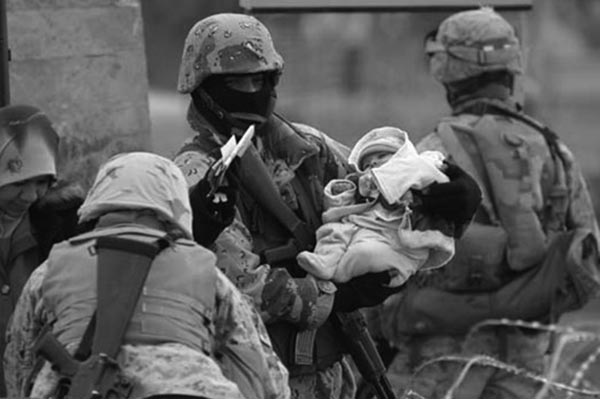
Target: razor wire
<point>567,335</point>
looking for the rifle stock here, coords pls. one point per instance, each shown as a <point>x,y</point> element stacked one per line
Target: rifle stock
<point>98,377</point>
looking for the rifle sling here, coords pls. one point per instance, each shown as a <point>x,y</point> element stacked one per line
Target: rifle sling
<point>482,107</point>
<point>123,265</point>
<point>473,164</point>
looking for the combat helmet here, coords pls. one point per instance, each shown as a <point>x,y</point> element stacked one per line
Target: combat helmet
<point>472,42</point>
<point>226,44</point>
<point>28,144</point>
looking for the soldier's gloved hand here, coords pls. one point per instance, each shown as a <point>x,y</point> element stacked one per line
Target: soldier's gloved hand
<point>455,201</point>
<point>211,214</point>
<point>363,291</point>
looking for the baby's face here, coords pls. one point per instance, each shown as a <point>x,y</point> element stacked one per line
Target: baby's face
<point>374,160</point>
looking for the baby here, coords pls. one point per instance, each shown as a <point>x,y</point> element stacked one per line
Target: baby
<point>369,224</point>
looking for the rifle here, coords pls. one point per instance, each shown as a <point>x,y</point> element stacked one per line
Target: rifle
<point>352,325</point>
<point>362,348</point>
<point>99,372</point>
<point>123,265</point>
<point>358,340</point>
<point>229,151</point>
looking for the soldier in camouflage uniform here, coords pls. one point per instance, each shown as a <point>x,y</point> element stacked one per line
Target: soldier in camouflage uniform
<point>532,191</point>
<point>231,68</point>
<point>192,332</point>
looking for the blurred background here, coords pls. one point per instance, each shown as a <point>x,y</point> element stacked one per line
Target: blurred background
<point>348,73</point>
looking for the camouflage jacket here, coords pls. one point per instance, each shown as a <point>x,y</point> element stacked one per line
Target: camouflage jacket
<point>303,301</point>
<point>540,168</point>
<point>164,368</point>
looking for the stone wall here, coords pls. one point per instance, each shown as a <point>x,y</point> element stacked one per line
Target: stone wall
<point>83,62</point>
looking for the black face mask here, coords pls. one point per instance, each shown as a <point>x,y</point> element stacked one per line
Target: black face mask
<point>245,108</point>
<point>457,92</point>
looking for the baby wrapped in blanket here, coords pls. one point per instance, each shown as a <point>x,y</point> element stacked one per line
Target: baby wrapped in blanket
<point>370,224</point>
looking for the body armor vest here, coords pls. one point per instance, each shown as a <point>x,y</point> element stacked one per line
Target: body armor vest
<point>517,259</point>
<point>524,198</point>
<point>181,282</point>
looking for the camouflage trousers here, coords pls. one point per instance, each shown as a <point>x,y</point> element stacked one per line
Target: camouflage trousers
<point>454,378</point>
<point>336,382</point>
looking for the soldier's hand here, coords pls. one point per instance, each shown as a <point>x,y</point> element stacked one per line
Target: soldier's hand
<point>455,201</point>
<point>211,214</point>
<point>363,291</point>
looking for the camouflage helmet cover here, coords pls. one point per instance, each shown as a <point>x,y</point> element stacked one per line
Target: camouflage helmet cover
<point>226,44</point>
<point>472,42</point>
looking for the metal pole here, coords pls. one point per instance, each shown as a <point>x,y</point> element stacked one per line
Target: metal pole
<point>4,57</point>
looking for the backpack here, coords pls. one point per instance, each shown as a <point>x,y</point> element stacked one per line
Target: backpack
<point>550,270</point>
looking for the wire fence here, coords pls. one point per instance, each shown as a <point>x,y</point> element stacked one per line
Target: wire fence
<point>572,368</point>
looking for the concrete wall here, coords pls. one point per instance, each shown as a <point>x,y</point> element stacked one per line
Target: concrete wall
<point>83,62</point>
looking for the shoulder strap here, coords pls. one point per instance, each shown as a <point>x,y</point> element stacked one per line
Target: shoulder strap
<point>331,168</point>
<point>123,265</point>
<point>454,146</point>
<point>559,193</point>
<point>484,106</point>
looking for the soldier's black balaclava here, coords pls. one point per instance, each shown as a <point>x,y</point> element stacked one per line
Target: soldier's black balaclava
<point>226,108</point>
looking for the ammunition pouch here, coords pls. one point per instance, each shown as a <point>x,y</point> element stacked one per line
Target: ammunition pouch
<point>306,352</point>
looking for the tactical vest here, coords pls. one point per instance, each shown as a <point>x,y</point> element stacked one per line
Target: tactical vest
<point>181,283</point>
<point>258,199</point>
<point>547,270</point>
<point>524,198</point>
